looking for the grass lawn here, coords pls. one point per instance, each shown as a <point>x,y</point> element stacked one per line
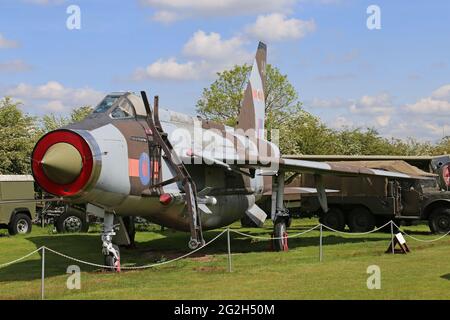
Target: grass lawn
<point>257,272</point>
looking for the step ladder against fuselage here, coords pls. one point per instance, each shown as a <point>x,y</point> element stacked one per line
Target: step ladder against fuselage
<point>158,141</point>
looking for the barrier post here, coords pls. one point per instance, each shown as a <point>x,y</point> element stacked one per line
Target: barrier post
<point>320,244</point>
<point>229,250</point>
<point>42,273</point>
<point>392,237</point>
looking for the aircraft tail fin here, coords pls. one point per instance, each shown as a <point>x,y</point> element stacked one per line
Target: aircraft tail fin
<point>252,113</point>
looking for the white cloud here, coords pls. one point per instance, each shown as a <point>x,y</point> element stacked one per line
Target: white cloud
<point>180,9</point>
<point>381,103</point>
<point>7,44</point>
<point>212,47</point>
<point>437,103</point>
<point>277,27</point>
<point>168,70</point>
<point>429,105</point>
<point>327,103</point>
<point>383,120</point>
<point>207,53</point>
<point>165,17</point>
<point>53,96</point>
<point>442,92</point>
<point>14,66</point>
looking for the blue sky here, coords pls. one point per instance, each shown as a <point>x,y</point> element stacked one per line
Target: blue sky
<point>395,79</point>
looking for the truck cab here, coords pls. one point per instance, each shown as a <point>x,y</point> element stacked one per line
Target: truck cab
<point>18,212</point>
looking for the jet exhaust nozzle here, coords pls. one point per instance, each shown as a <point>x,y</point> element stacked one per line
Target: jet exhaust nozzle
<point>62,162</point>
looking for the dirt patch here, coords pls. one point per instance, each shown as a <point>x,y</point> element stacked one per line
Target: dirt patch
<point>157,256</point>
<point>209,269</point>
<point>205,258</point>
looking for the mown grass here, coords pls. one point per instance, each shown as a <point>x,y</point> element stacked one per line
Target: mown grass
<point>257,272</point>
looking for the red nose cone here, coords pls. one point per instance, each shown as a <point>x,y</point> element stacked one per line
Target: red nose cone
<point>60,172</point>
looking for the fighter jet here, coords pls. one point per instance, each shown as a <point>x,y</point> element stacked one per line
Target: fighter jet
<point>129,159</point>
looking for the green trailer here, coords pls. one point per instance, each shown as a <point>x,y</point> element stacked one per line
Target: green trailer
<point>16,210</point>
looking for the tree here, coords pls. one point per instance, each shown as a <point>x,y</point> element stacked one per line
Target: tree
<point>221,102</point>
<point>17,138</point>
<point>52,122</point>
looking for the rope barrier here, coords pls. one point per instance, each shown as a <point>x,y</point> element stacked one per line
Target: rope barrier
<point>277,238</point>
<point>137,267</point>
<point>357,233</point>
<point>20,259</point>
<point>214,239</point>
<point>421,240</point>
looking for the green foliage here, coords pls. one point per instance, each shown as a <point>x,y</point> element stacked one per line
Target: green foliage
<point>19,133</point>
<point>299,131</point>
<point>221,102</point>
<point>52,122</point>
<point>17,138</point>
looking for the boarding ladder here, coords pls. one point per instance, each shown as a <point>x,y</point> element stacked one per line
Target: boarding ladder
<point>160,139</point>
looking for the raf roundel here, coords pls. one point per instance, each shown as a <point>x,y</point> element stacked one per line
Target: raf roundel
<point>144,168</point>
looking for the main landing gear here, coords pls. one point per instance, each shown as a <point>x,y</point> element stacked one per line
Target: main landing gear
<point>280,215</point>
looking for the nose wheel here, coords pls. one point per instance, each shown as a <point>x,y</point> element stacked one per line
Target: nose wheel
<point>112,259</point>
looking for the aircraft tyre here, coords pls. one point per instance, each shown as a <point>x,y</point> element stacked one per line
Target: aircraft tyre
<point>280,240</point>
<point>112,261</point>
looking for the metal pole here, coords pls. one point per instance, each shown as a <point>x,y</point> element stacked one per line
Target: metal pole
<point>392,237</point>
<point>42,273</point>
<point>320,244</point>
<point>229,250</point>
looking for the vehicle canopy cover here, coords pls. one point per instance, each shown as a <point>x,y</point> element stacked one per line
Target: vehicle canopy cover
<point>364,186</point>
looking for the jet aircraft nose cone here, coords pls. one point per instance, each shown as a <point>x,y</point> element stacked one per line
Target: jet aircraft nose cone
<point>62,163</point>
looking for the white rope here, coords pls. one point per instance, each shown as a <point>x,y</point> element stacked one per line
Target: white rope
<point>20,259</point>
<point>137,267</point>
<point>357,233</point>
<point>421,240</point>
<point>278,238</point>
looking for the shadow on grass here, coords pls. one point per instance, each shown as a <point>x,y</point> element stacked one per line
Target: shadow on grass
<point>446,276</point>
<point>87,247</point>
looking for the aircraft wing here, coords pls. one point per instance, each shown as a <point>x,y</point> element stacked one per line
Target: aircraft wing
<point>305,166</point>
<point>340,169</point>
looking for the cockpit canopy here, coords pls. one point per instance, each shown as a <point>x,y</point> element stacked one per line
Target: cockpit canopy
<point>121,106</point>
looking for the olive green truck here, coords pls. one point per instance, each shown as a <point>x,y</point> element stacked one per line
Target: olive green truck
<point>16,210</point>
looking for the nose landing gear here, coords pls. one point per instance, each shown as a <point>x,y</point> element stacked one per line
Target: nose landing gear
<point>111,252</point>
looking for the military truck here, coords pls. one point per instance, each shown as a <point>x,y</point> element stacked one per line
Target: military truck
<point>365,203</point>
<point>17,214</point>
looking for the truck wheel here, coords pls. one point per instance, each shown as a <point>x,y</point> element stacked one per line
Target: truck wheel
<point>361,220</point>
<point>439,221</point>
<point>280,243</point>
<point>20,224</point>
<point>72,221</point>
<point>334,219</point>
<point>246,222</point>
